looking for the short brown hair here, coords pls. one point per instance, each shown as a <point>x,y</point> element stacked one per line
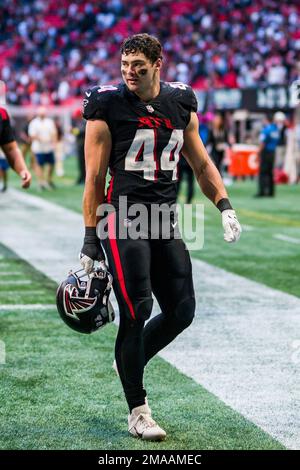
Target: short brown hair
<point>144,43</point>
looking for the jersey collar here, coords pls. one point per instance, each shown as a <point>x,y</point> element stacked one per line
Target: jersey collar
<point>154,104</point>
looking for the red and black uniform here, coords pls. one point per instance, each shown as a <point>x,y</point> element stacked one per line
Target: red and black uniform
<point>146,139</point>
<point>6,132</point>
<point>146,143</point>
<point>6,135</point>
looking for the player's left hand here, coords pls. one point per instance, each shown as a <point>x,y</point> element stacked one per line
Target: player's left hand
<point>231,225</point>
<point>25,178</point>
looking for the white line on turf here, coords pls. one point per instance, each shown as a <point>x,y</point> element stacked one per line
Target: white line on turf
<point>241,344</point>
<point>285,238</point>
<point>11,273</point>
<point>11,307</point>
<point>241,347</point>
<point>247,228</point>
<point>16,282</point>
<point>16,292</point>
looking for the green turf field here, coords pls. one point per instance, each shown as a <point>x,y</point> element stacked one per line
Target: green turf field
<point>258,255</point>
<point>58,389</point>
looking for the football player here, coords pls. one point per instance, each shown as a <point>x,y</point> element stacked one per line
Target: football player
<point>137,129</point>
<point>11,150</point>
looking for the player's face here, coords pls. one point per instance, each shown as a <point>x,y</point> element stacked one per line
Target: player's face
<point>138,72</point>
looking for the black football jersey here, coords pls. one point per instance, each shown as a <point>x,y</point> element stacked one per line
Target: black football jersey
<point>6,132</point>
<point>146,139</point>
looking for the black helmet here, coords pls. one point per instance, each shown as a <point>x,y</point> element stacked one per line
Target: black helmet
<point>83,304</point>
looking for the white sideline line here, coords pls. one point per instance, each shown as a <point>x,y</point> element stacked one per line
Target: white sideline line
<point>241,345</point>
<point>19,282</point>
<point>11,273</point>
<point>285,238</point>
<point>247,228</point>
<point>28,292</point>
<point>11,307</point>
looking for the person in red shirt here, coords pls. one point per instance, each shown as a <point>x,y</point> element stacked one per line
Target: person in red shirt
<point>13,154</point>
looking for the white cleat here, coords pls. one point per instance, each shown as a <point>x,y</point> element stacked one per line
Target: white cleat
<point>142,425</point>
<point>115,368</point>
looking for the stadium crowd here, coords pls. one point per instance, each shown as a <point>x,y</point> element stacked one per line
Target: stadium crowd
<point>50,51</point>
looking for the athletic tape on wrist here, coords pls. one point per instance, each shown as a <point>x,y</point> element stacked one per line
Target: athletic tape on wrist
<point>224,204</point>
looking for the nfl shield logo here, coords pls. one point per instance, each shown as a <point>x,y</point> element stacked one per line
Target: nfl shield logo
<point>149,108</point>
<point>127,223</point>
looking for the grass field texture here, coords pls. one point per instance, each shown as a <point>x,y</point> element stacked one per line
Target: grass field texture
<point>58,389</point>
<point>259,255</point>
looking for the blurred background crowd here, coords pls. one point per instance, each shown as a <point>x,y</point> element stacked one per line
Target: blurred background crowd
<point>240,57</point>
<point>50,51</point>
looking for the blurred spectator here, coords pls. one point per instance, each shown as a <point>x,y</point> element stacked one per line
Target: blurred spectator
<point>25,144</point>
<point>59,148</point>
<point>12,155</point>
<point>50,52</point>
<point>184,169</point>
<point>218,140</point>
<point>4,166</point>
<point>43,134</point>
<point>204,131</point>
<point>280,121</point>
<point>269,139</point>
<point>292,156</point>
<point>78,130</point>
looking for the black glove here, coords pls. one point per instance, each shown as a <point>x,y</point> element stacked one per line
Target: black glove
<point>91,250</point>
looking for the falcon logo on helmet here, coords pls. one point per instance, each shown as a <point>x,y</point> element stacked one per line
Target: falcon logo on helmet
<point>73,303</point>
<point>84,305</point>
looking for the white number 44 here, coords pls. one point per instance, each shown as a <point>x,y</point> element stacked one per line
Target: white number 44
<point>145,144</point>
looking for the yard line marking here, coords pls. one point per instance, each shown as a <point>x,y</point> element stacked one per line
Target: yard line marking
<point>286,238</point>
<point>241,346</point>
<point>12,307</point>
<point>270,218</point>
<point>247,228</point>
<point>25,292</point>
<point>11,273</point>
<point>19,282</point>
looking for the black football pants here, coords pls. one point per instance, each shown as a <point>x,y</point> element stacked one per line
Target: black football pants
<point>140,267</point>
<point>266,178</point>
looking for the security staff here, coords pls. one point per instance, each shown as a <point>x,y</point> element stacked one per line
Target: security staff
<point>269,138</point>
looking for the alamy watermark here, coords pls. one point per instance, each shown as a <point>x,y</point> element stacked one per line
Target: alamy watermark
<point>155,221</point>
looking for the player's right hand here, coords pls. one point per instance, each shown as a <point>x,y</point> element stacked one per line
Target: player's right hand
<point>25,178</point>
<point>231,225</point>
<point>91,250</point>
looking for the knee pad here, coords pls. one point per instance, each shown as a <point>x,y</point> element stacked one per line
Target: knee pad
<point>185,312</point>
<point>143,308</point>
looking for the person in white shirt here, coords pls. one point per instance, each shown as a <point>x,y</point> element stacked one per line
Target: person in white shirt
<point>43,133</point>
